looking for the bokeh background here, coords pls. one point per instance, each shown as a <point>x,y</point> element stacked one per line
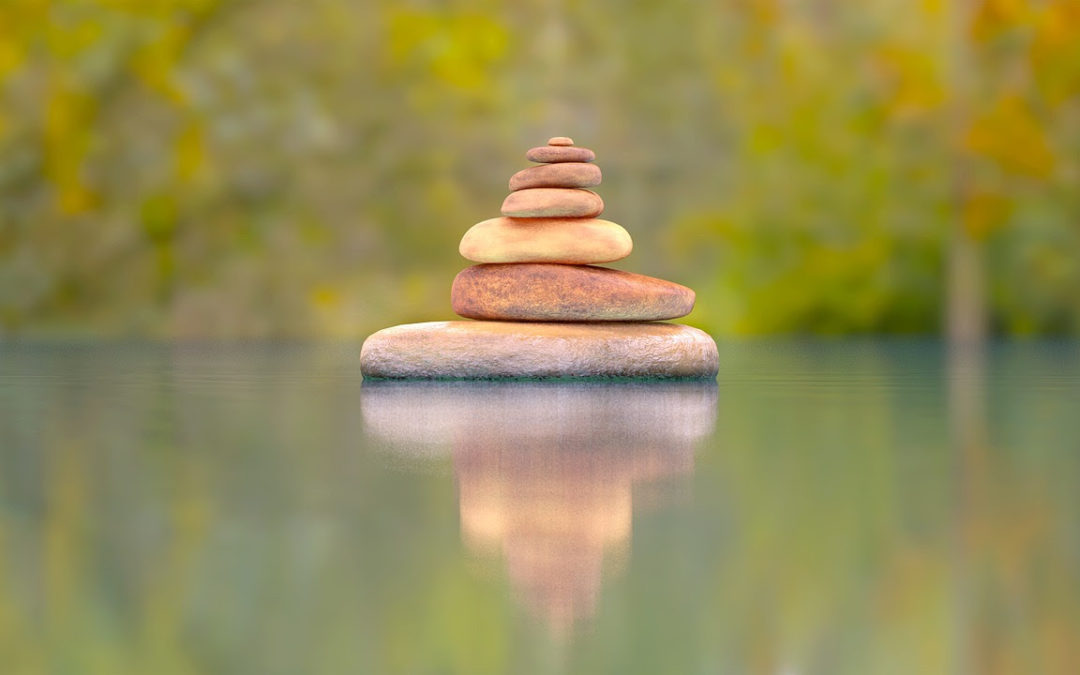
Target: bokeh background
<point>271,168</point>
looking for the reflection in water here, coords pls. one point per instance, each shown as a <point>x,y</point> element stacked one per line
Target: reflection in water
<point>968,436</point>
<point>546,471</point>
<point>859,507</point>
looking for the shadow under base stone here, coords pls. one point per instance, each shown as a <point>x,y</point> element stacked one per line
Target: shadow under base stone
<point>504,349</point>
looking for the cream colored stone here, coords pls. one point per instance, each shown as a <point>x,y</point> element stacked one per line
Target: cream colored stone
<point>560,140</point>
<point>501,349</point>
<point>555,240</point>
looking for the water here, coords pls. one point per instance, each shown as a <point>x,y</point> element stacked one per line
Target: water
<point>825,507</point>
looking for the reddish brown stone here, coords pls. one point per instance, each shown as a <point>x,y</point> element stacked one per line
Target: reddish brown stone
<point>550,292</point>
<point>552,203</point>
<point>557,153</point>
<point>562,175</point>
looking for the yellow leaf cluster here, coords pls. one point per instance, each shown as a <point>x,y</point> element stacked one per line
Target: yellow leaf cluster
<point>1010,134</point>
<point>66,138</point>
<point>914,78</point>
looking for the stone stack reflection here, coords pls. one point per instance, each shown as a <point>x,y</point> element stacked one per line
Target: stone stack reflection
<point>547,473</point>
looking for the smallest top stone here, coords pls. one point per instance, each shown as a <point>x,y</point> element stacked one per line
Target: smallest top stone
<point>560,140</point>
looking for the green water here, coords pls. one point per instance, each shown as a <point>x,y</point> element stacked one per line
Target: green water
<point>825,507</point>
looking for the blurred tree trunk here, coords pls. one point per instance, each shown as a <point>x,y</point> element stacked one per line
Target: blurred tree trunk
<point>965,309</point>
<point>965,292</point>
<point>965,330</point>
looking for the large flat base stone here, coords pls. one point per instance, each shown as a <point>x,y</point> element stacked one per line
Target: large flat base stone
<point>504,349</point>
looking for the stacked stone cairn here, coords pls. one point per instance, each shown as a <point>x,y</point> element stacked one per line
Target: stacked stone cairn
<point>541,305</point>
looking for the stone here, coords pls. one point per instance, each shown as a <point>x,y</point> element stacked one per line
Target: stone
<point>557,153</point>
<point>551,292</point>
<point>552,240</point>
<point>552,203</point>
<point>500,349</point>
<point>560,140</point>
<point>562,175</point>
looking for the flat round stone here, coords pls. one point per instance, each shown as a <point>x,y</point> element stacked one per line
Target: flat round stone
<point>499,349</point>
<point>550,292</point>
<point>562,175</point>
<point>552,203</point>
<point>553,240</point>
<point>557,153</point>
<point>560,140</point>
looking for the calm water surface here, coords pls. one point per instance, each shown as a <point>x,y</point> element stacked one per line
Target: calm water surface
<point>824,507</point>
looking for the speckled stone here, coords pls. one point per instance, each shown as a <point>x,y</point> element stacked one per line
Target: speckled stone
<point>555,240</point>
<point>500,349</point>
<point>563,175</point>
<point>558,153</point>
<point>547,292</point>
<point>552,203</point>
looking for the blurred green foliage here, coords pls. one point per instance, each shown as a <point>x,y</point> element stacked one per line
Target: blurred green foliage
<point>267,167</point>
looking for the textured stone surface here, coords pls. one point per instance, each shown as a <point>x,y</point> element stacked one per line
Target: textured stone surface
<point>560,240</point>
<point>563,175</point>
<point>552,203</point>
<point>556,153</point>
<point>500,349</point>
<point>545,292</point>
<point>560,140</point>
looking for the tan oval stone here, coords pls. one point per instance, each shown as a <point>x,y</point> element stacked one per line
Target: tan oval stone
<point>548,292</point>
<point>560,140</point>
<point>552,203</point>
<point>562,175</point>
<point>502,349</point>
<point>557,240</point>
<point>555,153</point>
